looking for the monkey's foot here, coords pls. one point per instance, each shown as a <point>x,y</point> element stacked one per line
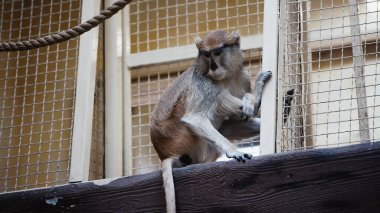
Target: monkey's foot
<point>239,156</point>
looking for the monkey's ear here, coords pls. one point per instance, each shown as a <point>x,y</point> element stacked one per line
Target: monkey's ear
<point>236,37</point>
<point>198,42</point>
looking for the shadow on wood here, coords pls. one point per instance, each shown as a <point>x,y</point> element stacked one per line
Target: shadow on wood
<point>345,179</point>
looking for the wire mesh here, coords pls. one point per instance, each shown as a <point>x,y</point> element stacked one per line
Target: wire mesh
<point>330,58</point>
<point>172,23</point>
<point>37,91</point>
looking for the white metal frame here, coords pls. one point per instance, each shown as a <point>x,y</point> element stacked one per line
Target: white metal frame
<point>183,52</point>
<point>270,62</point>
<point>84,102</point>
<point>127,95</point>
<point>113,95</point>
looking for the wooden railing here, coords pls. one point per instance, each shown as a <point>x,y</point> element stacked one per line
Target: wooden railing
<point>345,179</point>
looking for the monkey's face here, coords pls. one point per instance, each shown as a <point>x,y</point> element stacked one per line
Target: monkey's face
<point>221,63</point>
<point>219,54</point>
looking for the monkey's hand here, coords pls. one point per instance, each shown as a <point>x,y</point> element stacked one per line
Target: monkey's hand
<point>262,78</point>
<point>247,107</point>
<point>239,156</point>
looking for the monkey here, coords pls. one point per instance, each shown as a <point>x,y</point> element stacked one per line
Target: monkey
<point>185,122</point>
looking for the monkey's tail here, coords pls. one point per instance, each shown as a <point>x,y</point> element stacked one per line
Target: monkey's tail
<point>167,177</point>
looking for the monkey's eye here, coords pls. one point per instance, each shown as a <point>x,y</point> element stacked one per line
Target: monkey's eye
<point>218,53</point>
<point>207,54</point>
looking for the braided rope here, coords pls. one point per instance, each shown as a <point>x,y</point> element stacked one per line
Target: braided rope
<point>67,34</point>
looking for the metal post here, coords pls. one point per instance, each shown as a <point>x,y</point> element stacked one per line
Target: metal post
<point>270,56</point>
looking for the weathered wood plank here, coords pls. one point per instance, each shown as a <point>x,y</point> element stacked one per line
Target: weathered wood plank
<point>358,65</point>
<point>345,179</point>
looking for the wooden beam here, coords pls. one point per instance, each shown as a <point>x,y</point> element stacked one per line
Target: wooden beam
<point>358,63</point>
<point>306,69</point>
<point>291,135</point>
<point>345,179</point>
<point>280,76</point>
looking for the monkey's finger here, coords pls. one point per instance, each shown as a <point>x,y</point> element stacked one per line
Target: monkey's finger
<point>255,111</point>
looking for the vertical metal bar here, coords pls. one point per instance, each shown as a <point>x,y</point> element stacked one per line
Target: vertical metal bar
<point>127,96</point>
<point>113,96</point>
<point>84,102</point>
<point>270,55</point>
<point>357,53</point>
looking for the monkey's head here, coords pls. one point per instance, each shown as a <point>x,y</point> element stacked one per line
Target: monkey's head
<point>219,54</point>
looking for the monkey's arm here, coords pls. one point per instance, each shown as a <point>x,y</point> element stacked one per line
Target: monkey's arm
<point>203,127</point>
<point>229,104</point>
<point>236,108</point>
<point>261,79</point>
<point>251,101</point>
<point>238,130</point>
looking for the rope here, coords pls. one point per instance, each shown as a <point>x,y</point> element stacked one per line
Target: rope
<point>67,34</point>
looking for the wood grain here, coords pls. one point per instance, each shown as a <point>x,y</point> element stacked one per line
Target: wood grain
<point>359,74</point>
<point>345,179</point>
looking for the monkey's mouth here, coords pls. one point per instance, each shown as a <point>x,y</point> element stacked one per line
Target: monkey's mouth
<point>216,74</point>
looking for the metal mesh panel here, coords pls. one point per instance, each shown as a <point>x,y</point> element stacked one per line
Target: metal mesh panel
<point>147,85</point>
<point>330,57</point>
<point>37,91</point>
<point>173,23</point>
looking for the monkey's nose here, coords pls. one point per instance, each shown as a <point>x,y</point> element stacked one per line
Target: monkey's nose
<point>213,66</point>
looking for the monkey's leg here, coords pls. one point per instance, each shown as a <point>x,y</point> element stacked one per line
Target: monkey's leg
<point>261,79</point>
<point>239,109</point>
<point>203,127</point>
<point>238,129</point>
<point>230,104</point>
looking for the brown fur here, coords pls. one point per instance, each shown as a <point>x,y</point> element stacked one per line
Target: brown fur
<point>170,136</point>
